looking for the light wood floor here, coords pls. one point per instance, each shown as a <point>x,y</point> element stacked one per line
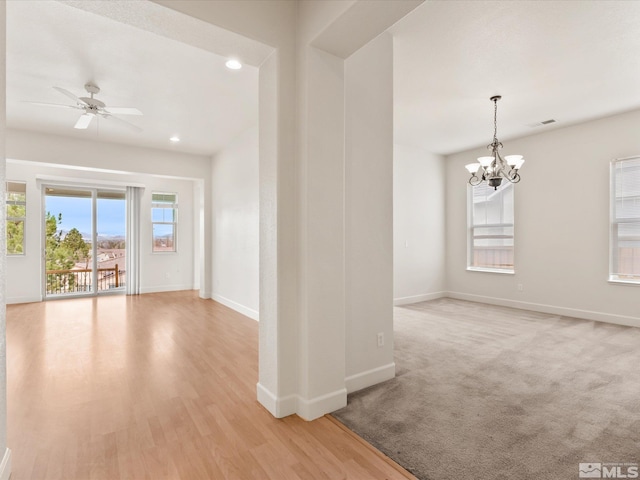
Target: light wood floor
<point>157,386</point>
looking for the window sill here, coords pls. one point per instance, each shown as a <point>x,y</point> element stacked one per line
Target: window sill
<point>491,270</point>
<point>632,283</point>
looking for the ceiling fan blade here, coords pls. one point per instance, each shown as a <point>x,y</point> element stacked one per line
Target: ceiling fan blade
<point>123,122</point>
<point>83,121</point>
<point>42,104</point>
<point>123,110</point>
<point>68,94</point>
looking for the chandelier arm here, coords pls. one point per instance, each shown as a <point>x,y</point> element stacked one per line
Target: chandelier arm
<point>475,180</point>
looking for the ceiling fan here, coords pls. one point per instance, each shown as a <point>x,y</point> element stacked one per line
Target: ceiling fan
<point>92,107</point>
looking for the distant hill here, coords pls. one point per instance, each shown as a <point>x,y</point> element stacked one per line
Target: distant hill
<point>104,241</point>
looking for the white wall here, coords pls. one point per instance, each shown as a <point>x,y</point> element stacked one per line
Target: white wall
<point>561,224</point>
<point>273,23</point>
<point>418,225</point>
<point>236,223</point>
<point>369,213</point>
<point>161,272</point>
<point>321,234</point>
<point>94,161</point>
<point>281,129</point>
<point>298,336</point>
<point>111,157</point>
<point>5,453</point>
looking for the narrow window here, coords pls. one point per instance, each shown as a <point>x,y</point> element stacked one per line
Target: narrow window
<point>16,201</point>
<point>164,217</point>
<point>490,228</point>
<point>625,221</point>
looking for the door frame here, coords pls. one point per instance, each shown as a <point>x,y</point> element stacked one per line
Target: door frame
<point>93,189</point>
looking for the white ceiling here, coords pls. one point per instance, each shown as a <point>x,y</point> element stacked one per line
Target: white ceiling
<point>565,60</point>
<point>182,90</point>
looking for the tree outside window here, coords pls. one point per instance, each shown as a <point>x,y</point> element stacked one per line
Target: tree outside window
<point>16,205</point>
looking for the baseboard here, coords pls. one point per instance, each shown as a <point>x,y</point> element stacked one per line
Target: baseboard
<point>370,377</point>
<point>306,409</point>
<point>278,407</point>
<point>166,288</point>
<point>554,310</point>
<point>319,406</point>
<point>5,465</point>
<point>14,300</point>
<point>249,312</point>
<point>418,298</point>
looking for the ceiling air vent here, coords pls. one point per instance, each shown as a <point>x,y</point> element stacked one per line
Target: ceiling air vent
<point>539,124</point>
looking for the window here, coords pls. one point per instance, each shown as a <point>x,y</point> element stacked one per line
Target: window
<point>16,201</point>
<point>490,228</point>
<point>164,217</point>
<point>625,221</point>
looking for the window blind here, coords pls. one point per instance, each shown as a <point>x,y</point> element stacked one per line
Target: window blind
<point>625,220</point>
<point>491,223</point>
<point>164,217</point>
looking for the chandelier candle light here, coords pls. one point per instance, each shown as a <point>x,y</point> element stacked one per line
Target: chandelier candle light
<point>494,168</point>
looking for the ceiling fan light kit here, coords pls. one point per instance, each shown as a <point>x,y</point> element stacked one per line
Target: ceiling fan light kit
<point>493,169</point>
<point>93,107</point>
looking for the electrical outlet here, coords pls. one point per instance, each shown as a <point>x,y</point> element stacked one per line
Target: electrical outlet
<point>380,339</point>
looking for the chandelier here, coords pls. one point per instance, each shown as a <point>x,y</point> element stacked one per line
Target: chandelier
<point>494,168</point>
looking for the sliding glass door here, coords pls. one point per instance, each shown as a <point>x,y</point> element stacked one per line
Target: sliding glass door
<point>111,248</point>
<point>85,243</point>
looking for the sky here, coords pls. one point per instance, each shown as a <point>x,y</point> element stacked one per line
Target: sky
<point>76,212</point>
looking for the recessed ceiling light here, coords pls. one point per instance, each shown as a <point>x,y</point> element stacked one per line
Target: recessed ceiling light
<point>233,64</point>
<point>174,139</point>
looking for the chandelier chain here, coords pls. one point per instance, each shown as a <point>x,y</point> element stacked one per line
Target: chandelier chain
<point>495,120</point>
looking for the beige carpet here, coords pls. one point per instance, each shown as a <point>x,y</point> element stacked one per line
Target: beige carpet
<point>486,392</point>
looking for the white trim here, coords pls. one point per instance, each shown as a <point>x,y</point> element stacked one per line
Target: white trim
<point>96,169</point>
<point>56,180</point>
<point>165,288</point>
<point>133,197</point>
<point>491,270</point>
<point>625,282</point>
<point>370,377</point>
<point>319,406</point>
<point>5,465</point>
<point>249,312</point>
<point>13,300</point>
<point>624,158</point>
<point>278,407</point>
<point>305,409</point>
<point>425,297</point>
<point>538,307</point>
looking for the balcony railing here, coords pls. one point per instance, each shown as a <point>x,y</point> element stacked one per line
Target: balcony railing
<point>80,280</point>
